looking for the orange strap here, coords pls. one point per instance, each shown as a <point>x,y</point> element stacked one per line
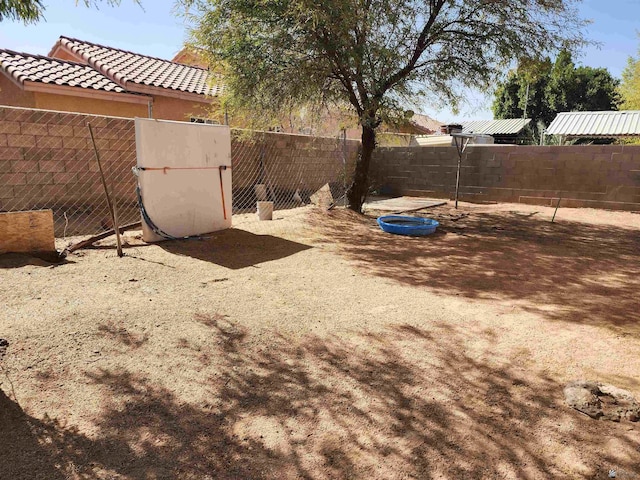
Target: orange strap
<point>219,168</point>
<point>164,169</point>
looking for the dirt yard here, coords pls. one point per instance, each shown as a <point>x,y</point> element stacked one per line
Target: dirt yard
<point>319,347</point>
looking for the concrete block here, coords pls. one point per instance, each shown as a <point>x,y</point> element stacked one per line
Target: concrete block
<point>62,154</point>
<point>65,178</point>
<point>36,154</point>
<point>21,140</point>
<point>39,178</point>
<point>10,127</point>
<point>6,191</point>
<point>48,142</point>
<point>13,179</point>
<point>53,166</point>
<point>34,129</point>
<point>10,153</point>
<point>75,143</point>
<point>60,130</point>
<point>25,166</point>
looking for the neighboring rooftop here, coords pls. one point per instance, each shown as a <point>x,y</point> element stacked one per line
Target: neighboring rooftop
<point>128,67</point>
<point>596,124</point>
<point>23,67</point>
<point>508,126</point>
<point>426,123</point>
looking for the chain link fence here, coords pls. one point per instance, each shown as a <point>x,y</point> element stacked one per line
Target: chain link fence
<point>49,160</point>
<point>290,171</point>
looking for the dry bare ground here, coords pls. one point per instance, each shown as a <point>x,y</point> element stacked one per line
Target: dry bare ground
<point>318,347</point>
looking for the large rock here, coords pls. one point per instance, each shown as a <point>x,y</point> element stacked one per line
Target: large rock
<point>601,401</point>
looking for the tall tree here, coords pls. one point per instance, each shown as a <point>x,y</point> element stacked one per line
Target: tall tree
<point>630,85</point>
<point>32,11</point>
<point>525,89</point>
<point>554,88</point>
<point>379,56</point>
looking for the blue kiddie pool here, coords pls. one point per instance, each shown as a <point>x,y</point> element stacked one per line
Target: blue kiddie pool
<point>413,226</point>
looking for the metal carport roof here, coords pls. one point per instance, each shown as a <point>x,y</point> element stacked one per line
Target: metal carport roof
<point>508,126</point>
<point>596,124</point>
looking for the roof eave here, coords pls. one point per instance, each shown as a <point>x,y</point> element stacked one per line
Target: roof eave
<point>168,92</point>
<point>85,92</point>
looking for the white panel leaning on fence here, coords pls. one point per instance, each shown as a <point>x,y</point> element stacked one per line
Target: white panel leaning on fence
<point>184,178</point>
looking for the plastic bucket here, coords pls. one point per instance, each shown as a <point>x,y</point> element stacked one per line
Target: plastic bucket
<point>265,210</point>
<point>261,192</point>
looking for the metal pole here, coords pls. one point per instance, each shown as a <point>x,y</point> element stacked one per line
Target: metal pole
<point>460,147</point>
<point>458,170</point>
<point>557,205</point>
<point>110,204</point>
<point>344,164</point>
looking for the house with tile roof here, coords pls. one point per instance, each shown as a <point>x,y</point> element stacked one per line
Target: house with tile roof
<point>79,76</point>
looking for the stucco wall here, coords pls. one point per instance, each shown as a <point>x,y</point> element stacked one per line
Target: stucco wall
<point>11,94</point>
<point>68,103</point>
<point>168,108</point>
<point>597,176</point>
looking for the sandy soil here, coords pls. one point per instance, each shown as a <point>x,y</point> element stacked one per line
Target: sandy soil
<point>318,347</point>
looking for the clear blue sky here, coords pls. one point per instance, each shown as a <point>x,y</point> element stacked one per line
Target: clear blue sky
<point>157,31</point>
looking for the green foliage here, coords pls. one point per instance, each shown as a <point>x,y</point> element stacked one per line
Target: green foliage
<point>32,11</point>
<point>511,95</point>
<point>28,11</point>
<point>554,88</point>
<point>381,57</point>
<point>630,85</point>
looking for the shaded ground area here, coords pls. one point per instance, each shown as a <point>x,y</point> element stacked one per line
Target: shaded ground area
<point>288,352</point>
<point>569,270</point>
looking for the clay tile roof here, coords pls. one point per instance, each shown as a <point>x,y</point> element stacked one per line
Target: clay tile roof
<point>125,66</point>
<point>35,68</point>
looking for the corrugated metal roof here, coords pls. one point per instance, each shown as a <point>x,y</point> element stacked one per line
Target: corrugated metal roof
<point>596,124</point>
<point>434,140</point>
<point>508,126</point>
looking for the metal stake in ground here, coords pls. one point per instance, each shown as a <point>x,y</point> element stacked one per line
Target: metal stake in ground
<point>110,205</point>
<point>557,205</point>
<point>461,140</point>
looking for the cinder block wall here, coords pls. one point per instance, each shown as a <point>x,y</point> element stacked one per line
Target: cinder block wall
<point>47,160</point>
<point>290,161</point>
<point>598,176</point>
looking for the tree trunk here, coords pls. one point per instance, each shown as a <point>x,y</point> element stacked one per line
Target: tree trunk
<point>357,192</point>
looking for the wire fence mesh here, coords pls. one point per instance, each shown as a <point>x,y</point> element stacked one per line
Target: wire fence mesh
<point>289,171</point>
<point>49,160</point>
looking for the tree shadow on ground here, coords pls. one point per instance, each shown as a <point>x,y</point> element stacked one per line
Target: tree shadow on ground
<point>234,248</point>
<point>567,271</point>
<point>403,403</point>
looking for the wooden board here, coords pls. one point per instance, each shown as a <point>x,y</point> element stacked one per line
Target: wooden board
<point>25,232</point>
